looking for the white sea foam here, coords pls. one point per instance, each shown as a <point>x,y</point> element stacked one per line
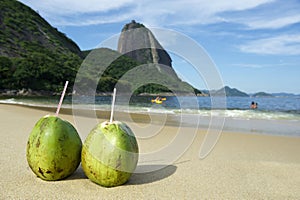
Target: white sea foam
<point>233,113</point>
<point>257,121</point>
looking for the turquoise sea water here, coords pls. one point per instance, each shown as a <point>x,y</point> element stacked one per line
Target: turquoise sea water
<point>275,115</point>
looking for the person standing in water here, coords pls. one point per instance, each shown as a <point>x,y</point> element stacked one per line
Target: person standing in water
<point>253,105</point>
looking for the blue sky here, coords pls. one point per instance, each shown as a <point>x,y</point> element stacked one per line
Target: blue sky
<point>255,45</point>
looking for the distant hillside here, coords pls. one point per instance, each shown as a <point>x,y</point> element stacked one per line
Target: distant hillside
<point>235,92</point>
<point>230,92</point>
<point>284,94</point>
<point>262,94</point>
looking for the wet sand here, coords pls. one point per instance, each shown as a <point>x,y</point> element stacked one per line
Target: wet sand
<point>241,166</point>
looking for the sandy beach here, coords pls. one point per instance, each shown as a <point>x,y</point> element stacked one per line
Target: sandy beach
<point>241,166</point>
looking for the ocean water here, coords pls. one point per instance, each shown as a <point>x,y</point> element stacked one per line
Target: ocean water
<point>275,115</point>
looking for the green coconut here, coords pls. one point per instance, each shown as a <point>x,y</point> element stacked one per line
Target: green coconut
<point>53,148</point>
<point>110,154</point>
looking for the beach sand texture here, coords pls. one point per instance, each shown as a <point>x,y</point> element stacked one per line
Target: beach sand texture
<point>241,166</point>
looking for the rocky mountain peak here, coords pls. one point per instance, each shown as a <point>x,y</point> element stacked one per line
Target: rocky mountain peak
<point>139,43</point>
<point>132,25</point>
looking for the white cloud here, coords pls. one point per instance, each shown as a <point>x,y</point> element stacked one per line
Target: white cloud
<point>76,21</point>
<point>279,45</point>
<point>260,65</point>
<point>70,7</point>
<point>194,12</point>
<point>276,23</point>
<point>273,15</point>
<point>153,12</point>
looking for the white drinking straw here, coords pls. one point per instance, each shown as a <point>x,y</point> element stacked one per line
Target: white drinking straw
<point>113,105</point>
<point>61,98</point>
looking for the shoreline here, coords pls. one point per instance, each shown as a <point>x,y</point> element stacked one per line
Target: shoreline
<point>288,128</point>
<point>240,166</point>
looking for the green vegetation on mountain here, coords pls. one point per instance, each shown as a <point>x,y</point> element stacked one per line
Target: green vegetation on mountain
<point>126,74</point>
<point>33,54</point>
<point>24,31</point>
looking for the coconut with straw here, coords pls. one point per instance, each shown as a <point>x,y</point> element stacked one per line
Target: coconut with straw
<point>110,152</point>
<point>54,147</point>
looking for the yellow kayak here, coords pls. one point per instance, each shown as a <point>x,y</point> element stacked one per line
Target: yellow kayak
<point>158,101</point>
